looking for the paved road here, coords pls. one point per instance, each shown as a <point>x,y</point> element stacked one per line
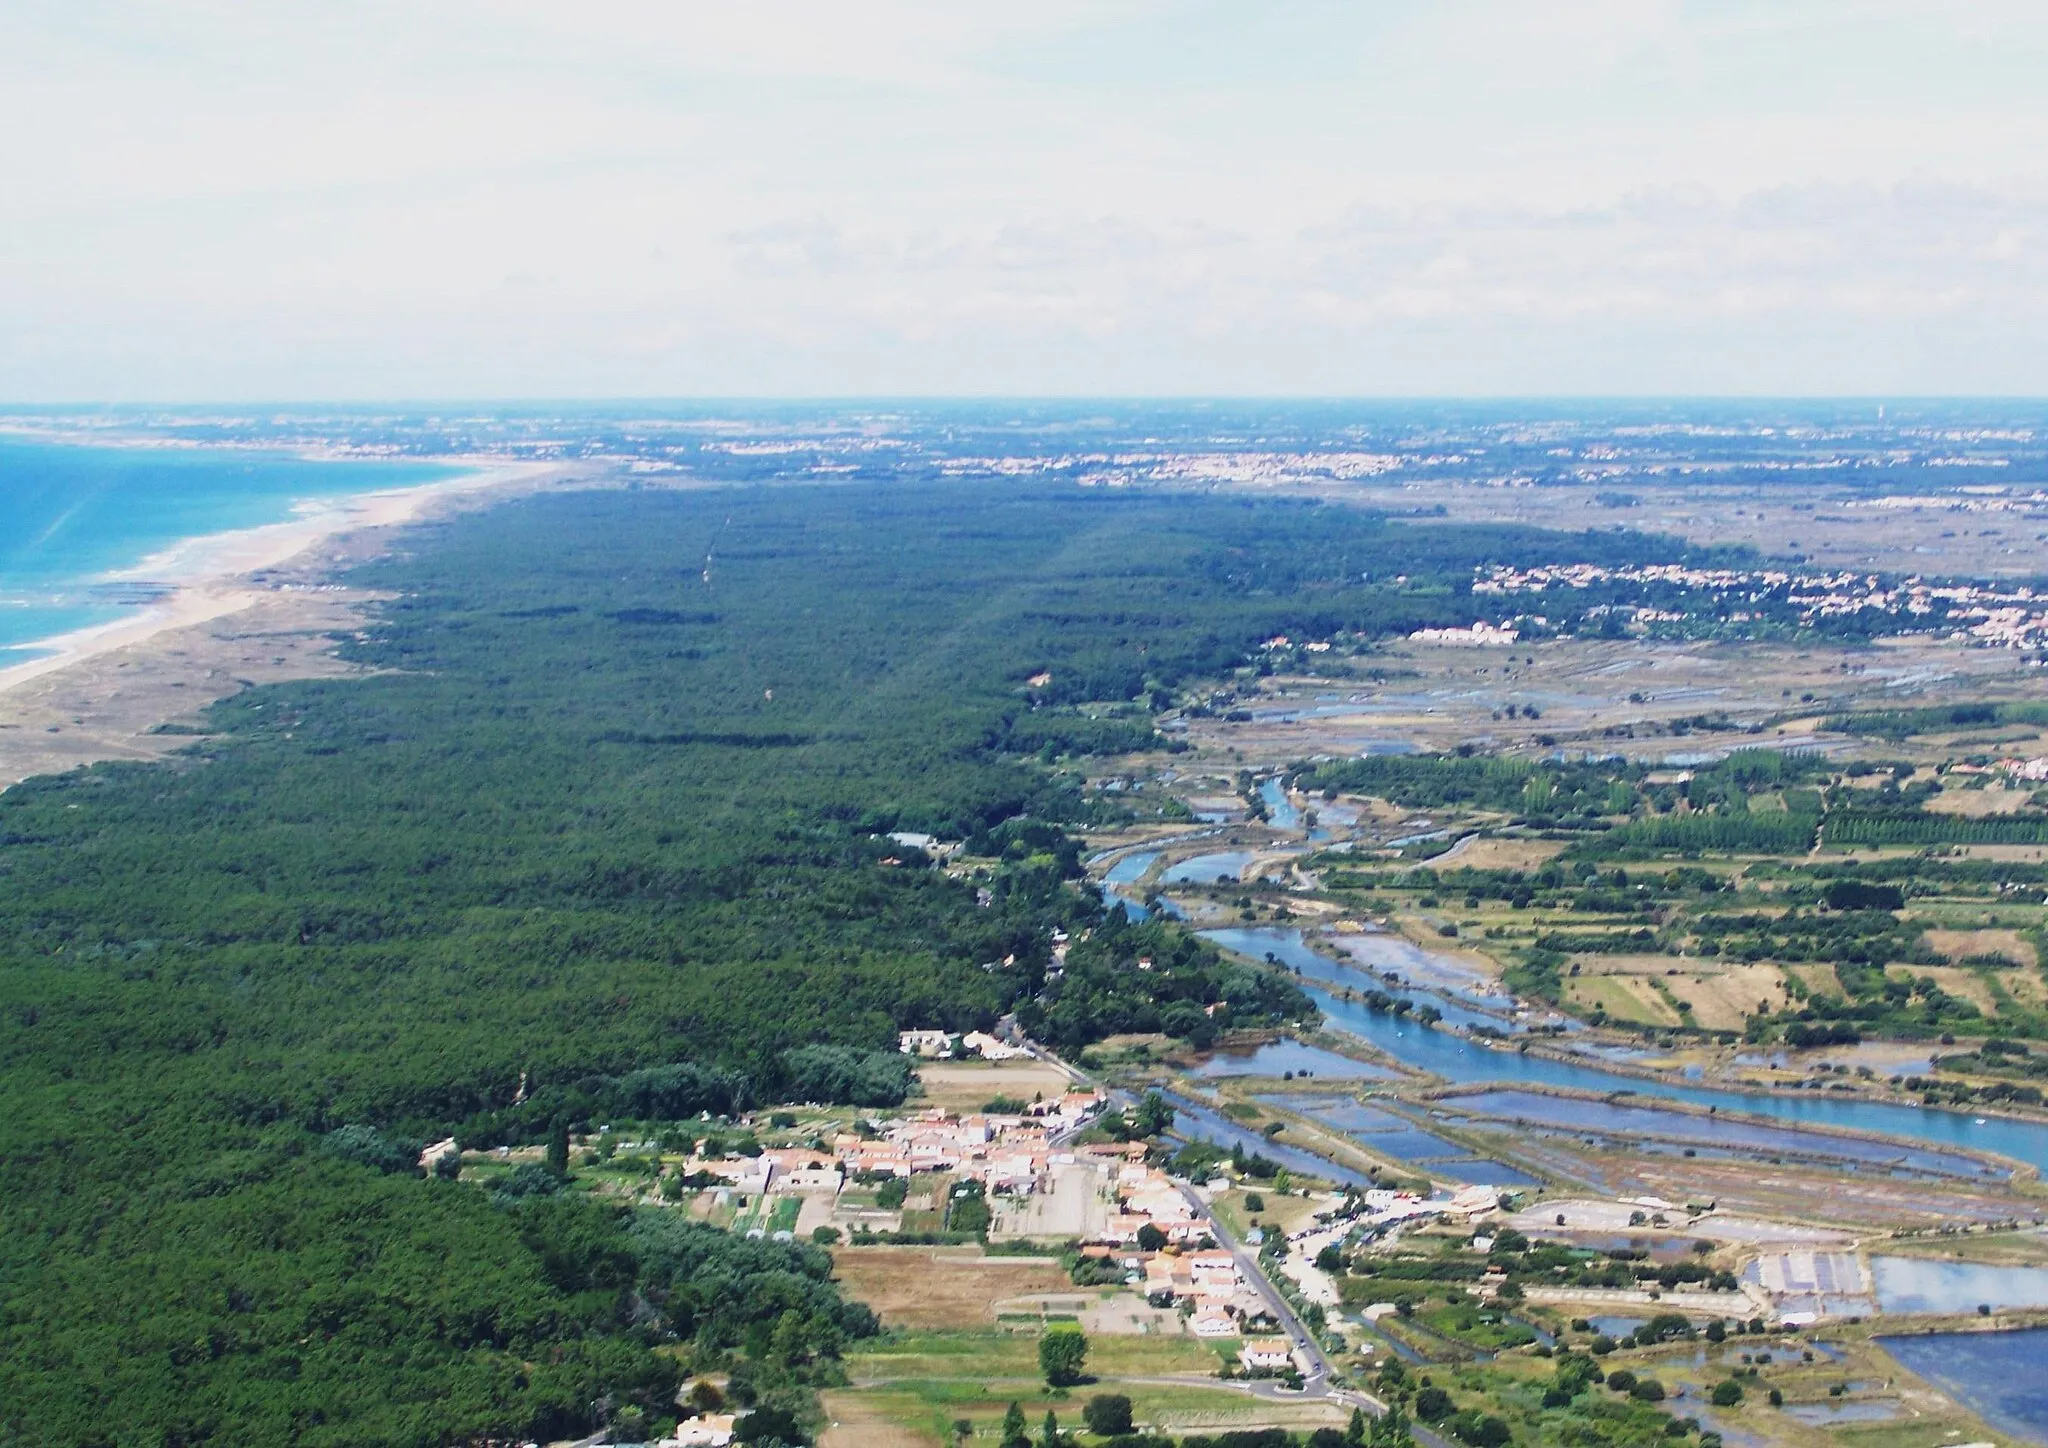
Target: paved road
<point>1316,1382</point>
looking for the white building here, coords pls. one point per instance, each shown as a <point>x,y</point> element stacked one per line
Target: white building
<point>709,1430</point>
<point>982,1044</point>
<point>1266,1354</point>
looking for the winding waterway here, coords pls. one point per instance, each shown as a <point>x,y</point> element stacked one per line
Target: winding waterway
<point>1462,1059</point>
<point>1193,1122</point>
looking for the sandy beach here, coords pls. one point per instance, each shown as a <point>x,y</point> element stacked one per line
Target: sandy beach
<point>252,606</point>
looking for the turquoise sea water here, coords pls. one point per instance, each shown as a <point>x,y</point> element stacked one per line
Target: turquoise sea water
<point>71,515</point>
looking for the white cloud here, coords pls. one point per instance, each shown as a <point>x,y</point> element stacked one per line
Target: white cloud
<point>208,198</point>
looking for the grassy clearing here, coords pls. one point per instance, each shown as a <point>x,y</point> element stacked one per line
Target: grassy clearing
<point>940,1287</point>
<point>1498,854</point>
<point>878,1420</point>
<point>1979,803</point>
<point>923,1382</point>
<point>1962,983</point>
<point>1723,998</point>
<point>1624,998</point>
<point>1960,945</point>
<point>966,1086</point>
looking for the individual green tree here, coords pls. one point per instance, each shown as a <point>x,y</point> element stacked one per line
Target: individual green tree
<point>1481,1430</point>
<point>1154,1115</point>
<point>970,1214</point>
<point>1061,1353</point>
<point>1390,1429</point>
<point>1049,1435</point>
<point>1355,1431</point>
<point>788,1345</point>
<point>769,1424</point>
<point>1727,1393</point>
<point>963,1428</point>
<point>558,1147</point>
<point>448,1165</point>
<point>1107,1414</point>
<point>1014,1433</point>
<point>1150,1238</point>
<point>1572,1374</point>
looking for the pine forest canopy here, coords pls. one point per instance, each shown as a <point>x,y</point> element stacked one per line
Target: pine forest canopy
<point>598,836</point>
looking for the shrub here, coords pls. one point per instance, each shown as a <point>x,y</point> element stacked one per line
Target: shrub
<point>1481,1431</point>
<point>1107,1414</point>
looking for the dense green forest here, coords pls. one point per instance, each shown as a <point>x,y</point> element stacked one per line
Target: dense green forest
<point>599,835</point>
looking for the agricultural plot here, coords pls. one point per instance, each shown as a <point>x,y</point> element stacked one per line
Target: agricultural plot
<point>925,1381</point>
<point>940,1287</point>
<point>965,1087</point>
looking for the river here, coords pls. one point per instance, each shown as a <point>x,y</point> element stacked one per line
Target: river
<point>1462,1059</point>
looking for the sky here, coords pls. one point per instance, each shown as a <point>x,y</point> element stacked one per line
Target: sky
<point>371,199</point>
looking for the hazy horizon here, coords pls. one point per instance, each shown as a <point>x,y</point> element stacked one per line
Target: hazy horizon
<point>214,202</point>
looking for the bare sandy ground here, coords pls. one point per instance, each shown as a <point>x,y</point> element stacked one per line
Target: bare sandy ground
<point>250,607</point>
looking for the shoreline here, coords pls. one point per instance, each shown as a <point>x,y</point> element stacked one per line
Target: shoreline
<point>208,576</point>
<point>242,608</point>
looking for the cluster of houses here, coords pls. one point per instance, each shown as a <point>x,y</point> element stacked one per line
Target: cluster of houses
<point>1222,1303</point>
<point>1011,1155</point>
<point>1479,635</point>
<point>1006,1154</point>
<point>1993,615</point>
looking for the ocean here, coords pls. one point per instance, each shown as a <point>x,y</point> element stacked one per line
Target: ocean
<point>71,516</point>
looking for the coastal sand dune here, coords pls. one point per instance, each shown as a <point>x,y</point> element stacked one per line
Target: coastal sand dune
<point>249,607</point>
